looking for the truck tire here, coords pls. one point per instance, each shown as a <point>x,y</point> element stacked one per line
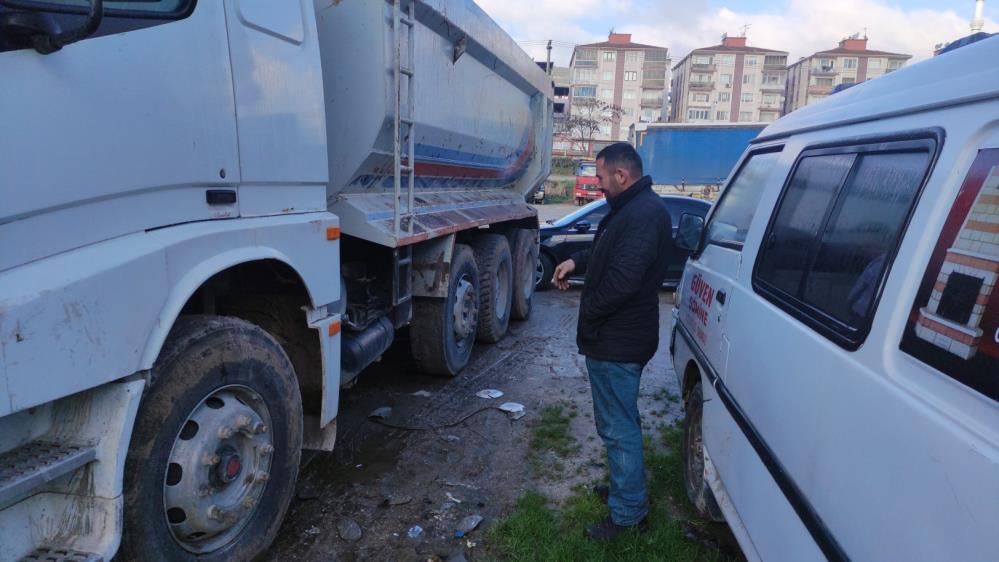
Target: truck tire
<point>492,255</point>
<point>692,451</point>
<point>215,450</point>
<point>545,272</point>
<point>442,333</point>
<point>524,248</point>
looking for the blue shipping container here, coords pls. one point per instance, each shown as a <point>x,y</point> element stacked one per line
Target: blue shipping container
<point>693,154</point>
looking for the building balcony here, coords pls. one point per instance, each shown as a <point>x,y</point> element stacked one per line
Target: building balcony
<point>775,106</point>
<point>652,103</point>
<point>778,88</point>
<point>584,64</point>
<point>702,68</point>
<point>654,84</point>
<point>820,90</point>
<point>702,86</point>
<point>823,71</point>
<point>774,67</point>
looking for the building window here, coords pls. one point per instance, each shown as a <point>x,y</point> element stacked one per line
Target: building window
<point>654,75</point>
<point>701,59</point>
<point>724,96</point>
<point>749,79</point>
<point>610,56</point>
<point>584,75</point>
<point>895,64</point>
<point>586,55</point>
<point>606,94</point>
<point>769,99</point>
<point>725,79</point>
<point>768,116</point>
<point>849,80</point>
<point>751,60</point>
<point>747,97</point>
<point>849,63</point>
<point>699,98</point>
<point>745,116</point>
<point>608,75</point>
<point>775,60</point>
<point>773,80</point>
<point>721,116</point>
<point>834,234</point>
<point>631,56</point>
<point>698,114</point>
<point>826,65</point>
<point>630,76</point>
<point>735,210</point>
<point>584,92</point>
<point>727,60</point>
<point>651,95</point>
<point>874,64</point>
<point>630,95</point>
<point>822,82</point>
<point>627,112</point>
<point>658,55</point>
<point>648,115</point>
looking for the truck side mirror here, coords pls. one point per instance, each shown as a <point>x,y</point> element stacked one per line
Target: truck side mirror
<point>688,235</point>
<point>582,226</point>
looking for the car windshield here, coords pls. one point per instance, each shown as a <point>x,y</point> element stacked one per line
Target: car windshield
<point>587,170</point>
<point>579,213</point>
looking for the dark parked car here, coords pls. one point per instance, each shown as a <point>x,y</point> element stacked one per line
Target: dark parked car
<point>573,232</point>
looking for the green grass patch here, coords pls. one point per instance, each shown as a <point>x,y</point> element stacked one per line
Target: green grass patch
<point>539,531</point>
<point>551,440</point>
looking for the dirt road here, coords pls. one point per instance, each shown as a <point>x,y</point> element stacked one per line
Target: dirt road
<point>388,481</point>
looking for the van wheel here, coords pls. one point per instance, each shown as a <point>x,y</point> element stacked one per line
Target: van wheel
<point>215,451</point>
<point>492,255</point>
<point>442,333</point>
<point>543,276</point>
<point>525,266</point>
<point>692,450</point>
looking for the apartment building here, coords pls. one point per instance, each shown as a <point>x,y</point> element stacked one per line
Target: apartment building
<point>813,78</point>
<point>729,83</point>
<point>620,74</point>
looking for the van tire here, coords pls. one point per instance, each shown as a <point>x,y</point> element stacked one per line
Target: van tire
<point>208,358</point>
<point>692,452</point>
<point>436,347</point>
<point>547,270</point>
<point>496,288</point>
<point>524,247</point>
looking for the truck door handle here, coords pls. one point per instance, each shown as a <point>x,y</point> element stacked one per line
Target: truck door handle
<point>721,297</point>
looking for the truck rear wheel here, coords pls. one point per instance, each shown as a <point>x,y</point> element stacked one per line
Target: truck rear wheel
<point>692,450</point>
<point>525,267</point>
<point>215,451</point>
<point>495,263</point>
<point>442,333</point>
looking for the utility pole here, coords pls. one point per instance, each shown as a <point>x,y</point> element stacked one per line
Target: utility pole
<point>979,21</point>
<point>548,64</point>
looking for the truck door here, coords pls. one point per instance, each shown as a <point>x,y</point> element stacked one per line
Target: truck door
<point>711,274</point>
<point>117,133</point>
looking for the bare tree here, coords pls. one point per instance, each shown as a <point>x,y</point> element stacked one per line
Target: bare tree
<point>584,121</point>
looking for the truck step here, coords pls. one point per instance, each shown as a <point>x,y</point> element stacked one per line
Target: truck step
<point>37,463</point>
<point>53,554</point>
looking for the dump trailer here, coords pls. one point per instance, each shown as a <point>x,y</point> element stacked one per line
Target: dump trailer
<point>216,215</point>
<point>689,157</point>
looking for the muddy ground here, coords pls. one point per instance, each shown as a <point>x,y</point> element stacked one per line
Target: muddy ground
<point>389,480</point>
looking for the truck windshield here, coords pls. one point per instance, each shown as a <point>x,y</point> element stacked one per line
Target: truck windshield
<point>587,170</point>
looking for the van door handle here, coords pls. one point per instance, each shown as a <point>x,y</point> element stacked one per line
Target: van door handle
<point>721,297</point>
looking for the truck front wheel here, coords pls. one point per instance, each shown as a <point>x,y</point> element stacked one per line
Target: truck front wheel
<point>442,333</point>
<point>215,452</point>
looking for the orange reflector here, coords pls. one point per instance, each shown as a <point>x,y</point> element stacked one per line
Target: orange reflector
<point>334,328</point>
<point>332,233</point>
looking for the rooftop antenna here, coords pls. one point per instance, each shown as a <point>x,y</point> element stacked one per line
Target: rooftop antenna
<point>745,28</point>
<point>979,21</point>
<point>865,34</point>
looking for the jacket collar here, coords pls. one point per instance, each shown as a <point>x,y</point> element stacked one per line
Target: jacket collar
<point>621,200</point>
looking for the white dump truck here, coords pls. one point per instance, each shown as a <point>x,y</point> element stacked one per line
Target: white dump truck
<point>215,215</point>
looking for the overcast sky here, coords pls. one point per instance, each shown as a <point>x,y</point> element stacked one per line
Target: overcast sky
<point>798,26</point>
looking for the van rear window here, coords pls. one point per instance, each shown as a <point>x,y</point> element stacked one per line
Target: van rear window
<point>954,322</point>
<point>835,232</point>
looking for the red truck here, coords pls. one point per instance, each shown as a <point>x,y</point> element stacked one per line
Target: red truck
<point>587,185</point>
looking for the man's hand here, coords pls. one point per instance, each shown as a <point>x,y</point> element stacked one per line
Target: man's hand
<point>561,277</point>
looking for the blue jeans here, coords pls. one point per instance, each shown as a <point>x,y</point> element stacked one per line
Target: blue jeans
<point>615,409</point>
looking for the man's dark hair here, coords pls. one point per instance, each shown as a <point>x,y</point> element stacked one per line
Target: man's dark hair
<point>622,155</point>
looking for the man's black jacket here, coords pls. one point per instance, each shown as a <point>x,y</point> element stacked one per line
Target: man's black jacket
<point>625,268</point>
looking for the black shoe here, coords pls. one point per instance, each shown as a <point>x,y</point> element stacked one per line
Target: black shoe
<point>603,492</point>
<point>607,529</point>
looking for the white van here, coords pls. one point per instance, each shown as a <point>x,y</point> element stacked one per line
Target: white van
<point>837,328</point>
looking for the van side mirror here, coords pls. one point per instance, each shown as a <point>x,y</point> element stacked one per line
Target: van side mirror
<point>582,226</point>
<point>688,235</point>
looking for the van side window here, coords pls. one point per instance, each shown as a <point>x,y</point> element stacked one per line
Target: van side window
<point>737,205</point>
<point>954,322</point>
<point>835,232</point>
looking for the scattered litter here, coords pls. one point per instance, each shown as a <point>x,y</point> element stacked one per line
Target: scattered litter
<point>456,484</point>
<point>513,409</point>
<point>414,531</point>
<point>452,498</point>
<point>489,393</point>
<point>349,530</point>
<point>381,413</point>
<point>468,525</point>
<point>398,500</point>
<point>450,438</point>
<point>312,531</point>
<point>422,394</point>
<point>359,466</point>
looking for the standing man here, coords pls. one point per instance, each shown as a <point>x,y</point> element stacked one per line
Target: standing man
<point>618,329</point>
